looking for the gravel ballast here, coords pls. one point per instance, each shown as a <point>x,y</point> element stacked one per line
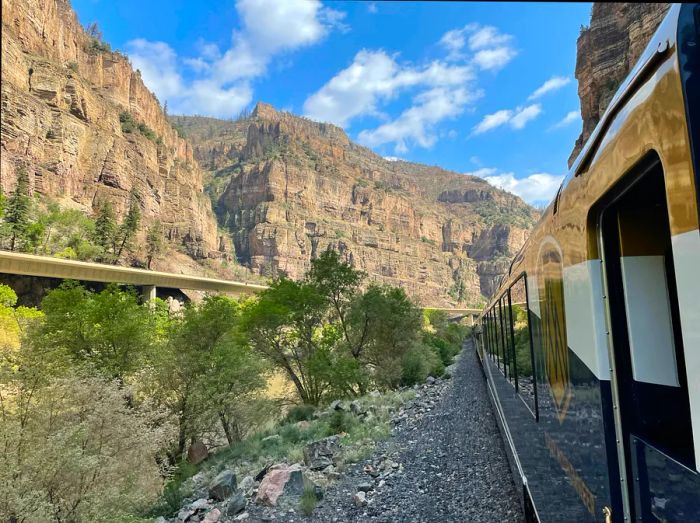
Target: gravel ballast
<point>444,463</point>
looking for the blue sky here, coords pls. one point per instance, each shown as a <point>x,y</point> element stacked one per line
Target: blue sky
<point>479,88</point>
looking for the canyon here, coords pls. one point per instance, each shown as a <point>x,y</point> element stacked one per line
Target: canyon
<point>267,192</point>
<point>287,188</point>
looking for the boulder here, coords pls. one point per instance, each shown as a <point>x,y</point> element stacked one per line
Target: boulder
<point>360,499</point>
<point>295,484</point>
<point>375,394</point>
<point>236,504</point>
<point>223,485</point>
<point>197,453</point>
<point>319,454</point>
<point>274,483</point>
<point>338,405</point>
<point>357,408</point>
<point>302,425</point>
<point>185,513</point>
<point>160,519</point>
<point>212,516</point>
<point>242,517</point>
<point>247,485</point>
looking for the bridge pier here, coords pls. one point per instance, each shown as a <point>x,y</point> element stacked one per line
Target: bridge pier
<point>148,293</point>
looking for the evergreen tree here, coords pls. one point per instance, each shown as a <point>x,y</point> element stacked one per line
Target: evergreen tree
<point>18,206</point>
<point>105,229</point>
<point>129,226</point>
<point>154,242</point>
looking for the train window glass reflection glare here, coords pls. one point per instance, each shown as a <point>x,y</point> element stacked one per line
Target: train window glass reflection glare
<point>522,342</point>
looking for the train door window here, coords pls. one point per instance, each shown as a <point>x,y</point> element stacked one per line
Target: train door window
<point>522,341</point>
<point>489,339</point>
<point>645,320</point>
<point>508,339</point>
<point>494,352</point>
<point>485,334</point>
<point>501,344</point>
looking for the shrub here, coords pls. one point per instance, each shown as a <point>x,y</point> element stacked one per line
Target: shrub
<point>97,46</point>
<point>127,121</point>
<point>339,422</point>
<point>299,413</point>
<point>308,500</point>
<point>75,451</point>
<point>413,368</point>
<point>73,66</point>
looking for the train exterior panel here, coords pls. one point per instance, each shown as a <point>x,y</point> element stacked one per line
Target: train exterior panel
<point>591,345</point>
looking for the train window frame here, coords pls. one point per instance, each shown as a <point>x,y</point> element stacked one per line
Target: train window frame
<point>523,276</point>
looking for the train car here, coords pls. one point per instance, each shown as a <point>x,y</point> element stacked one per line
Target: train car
<point>591,345</point>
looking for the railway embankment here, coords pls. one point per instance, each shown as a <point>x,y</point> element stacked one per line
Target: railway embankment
<point>441,459</point>
<point>448,459</point>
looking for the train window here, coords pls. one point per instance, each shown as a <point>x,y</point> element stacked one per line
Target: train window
<point>501,344</point>
<point>522,341</point>
<point>508,339</point>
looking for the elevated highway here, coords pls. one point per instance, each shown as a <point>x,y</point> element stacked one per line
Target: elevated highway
<point>148,281</point>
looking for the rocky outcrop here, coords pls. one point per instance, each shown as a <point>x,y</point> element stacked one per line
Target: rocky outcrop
<point>606,52</point>
<point>62,95</point>
<point>288,188</point>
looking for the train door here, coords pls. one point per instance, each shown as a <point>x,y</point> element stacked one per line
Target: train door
<point>649,381</point>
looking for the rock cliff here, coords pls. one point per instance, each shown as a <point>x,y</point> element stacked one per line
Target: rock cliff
<point>63,93</point>
<point>288,188</point>
<point>606,52</point>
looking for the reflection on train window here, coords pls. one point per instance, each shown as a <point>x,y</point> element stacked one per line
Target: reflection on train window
<point>522,340</point>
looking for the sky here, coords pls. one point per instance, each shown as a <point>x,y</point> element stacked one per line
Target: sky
<point>478,88</point>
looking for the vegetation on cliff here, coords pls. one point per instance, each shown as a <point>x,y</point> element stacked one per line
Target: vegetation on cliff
<point>38,225</point>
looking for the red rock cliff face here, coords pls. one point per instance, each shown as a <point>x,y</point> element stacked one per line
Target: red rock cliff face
<point>61,101</point>
<point>606,52</point>
<point>288,188</point>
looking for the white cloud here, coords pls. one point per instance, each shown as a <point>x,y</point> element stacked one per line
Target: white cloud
<point>372,7</point>
<point>536,189</point>
<point>221,83</point>
<point>416,124</point>
<point>158,65</point>
<point>521,117</point>
<point>440,90</point>
<point>491,121</point>
<point>516,119</point>
<point>494,59</point>
<point>553,84</point>
<point>372,78</point>
<point>488,36</point>
<point>483,172</point>
<point>571,117</point>
<point>492,49</point>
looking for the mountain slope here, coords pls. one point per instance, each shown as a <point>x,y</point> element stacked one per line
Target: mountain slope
<point>606,51</point>
<point>86,128</point>
<point>287,188</point>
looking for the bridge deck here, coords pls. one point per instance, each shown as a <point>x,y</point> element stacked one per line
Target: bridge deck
<point>47,267</point>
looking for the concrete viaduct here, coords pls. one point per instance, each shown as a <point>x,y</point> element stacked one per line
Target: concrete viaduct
<point>148,281</point>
